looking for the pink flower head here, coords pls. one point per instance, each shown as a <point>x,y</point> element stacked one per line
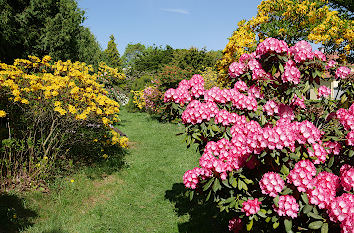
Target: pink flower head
<point>244,58</point>
<point>240,86</point>
<point>287,206</point>
<point>324,91</point>
<point>302,175</point>
<point>271,184</point>
<point>254,64</point>
<point>251,206</point>
<point>291,73</point>
<point>235,225</point>
<point>318,152</point>
<point>236,69</point>
<point>343,72</point>
<point>299,101</point>
<point>341,208</point>
<point>286,112</point>
<point>331,64</point>
<point>332,147</point>
<point>347,177</point>
<point>271,107</point>
<point>302,51</point>
<point>323,189</point>
<point>271,45</point>
<point>318,54</point>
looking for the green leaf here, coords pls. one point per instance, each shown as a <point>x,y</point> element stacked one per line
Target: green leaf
<point>286,191</point>
<point>276,200</point>
<point>315,216</point>
<point>234,183</point>
<point>351,153</point>
<point>250,225</point>
<point>215,128</point>
<point>304,198</point>
<point>260,213</point>
<point>216,185</point>
<point>191,194</point>
<point>268,219</point>
<point>307,209</point>
<point>315,225</point>
<point>275,225</point>
<point>226,183</point>
<point>288,225</point>
<point>324,228</point>
<point>208,184</point>
<point>209,194</point>
<point>285,170</point>
<point>331,161</point>
<point>281,67</point>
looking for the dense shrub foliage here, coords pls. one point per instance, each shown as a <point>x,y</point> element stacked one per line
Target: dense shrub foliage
<point>51,108</point>
<point>273,159</point>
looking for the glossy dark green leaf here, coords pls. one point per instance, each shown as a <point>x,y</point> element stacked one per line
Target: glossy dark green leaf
<point>324,228</point>
<point>315,225</point>
<point>288,225</point>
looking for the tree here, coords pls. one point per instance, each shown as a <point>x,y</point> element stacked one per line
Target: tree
<point>111,54</point>
<point>45,27</point>
<point>131,53</point>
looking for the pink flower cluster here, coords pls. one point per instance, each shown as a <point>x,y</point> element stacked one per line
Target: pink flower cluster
<point>236,69</point>
<point>302,51</point>
<point>347,177</point>
<point>342,209</point>
<point>271,184</point>
<point>255,92</point>
<point>346,118</point>
<point>239,100</point>
<point>324,91</point>
<point>318,152</point>
<point>191,177</point>
<point>343,72</point>
<point>323,189</point>
<point>320,55</point>
<point>296,101</point>
<point>302,175</point>
<point>287,206</point>
<point>225,118</point>
<point>332,147</point>
<point>197,112</point>
<point>251,206</point>
<point>291,73</point>
<point>331,64</point>
<point>235,225</point>
<point>240,86</point>
<point>271,45</point>
<point>271,107</point>
<point>186,90</point>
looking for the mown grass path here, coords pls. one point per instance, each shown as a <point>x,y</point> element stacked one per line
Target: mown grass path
<point>144,196</point>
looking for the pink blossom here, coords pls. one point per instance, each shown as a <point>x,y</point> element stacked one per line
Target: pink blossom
<point>302,175</point>
<point>347,177</point>
<point>235,225</point>
<point>343,72</point>
<point>287,206</point>
<point>236,69</point>
<point>271,184</point>
<point>324,91</point>
<point>251,207</point>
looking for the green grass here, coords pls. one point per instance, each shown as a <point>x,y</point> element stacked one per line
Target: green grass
<point>144,195</point>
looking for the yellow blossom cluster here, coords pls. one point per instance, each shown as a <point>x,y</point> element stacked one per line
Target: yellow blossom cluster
<point>312,20</point>
<point>104,70</point>
<point>68,88</point>
<point>138,99</point>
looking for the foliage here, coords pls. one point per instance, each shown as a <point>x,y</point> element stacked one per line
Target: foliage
<point>51,109</point>
<point>152,59</point>
<point>273,160</point>
<point>291,21</point>
<point>194,58</point>
<point>210,77</point>
<point>131,53</point>
<point>36,27</point>
<point>111,54</point>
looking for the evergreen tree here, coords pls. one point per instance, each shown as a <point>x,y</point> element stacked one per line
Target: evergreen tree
<point>111,54</point>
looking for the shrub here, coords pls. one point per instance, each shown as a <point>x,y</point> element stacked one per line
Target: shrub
<point>269,155</point>
<point>51,109</point>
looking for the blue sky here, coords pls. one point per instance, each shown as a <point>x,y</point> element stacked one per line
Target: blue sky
<point>179,23</point>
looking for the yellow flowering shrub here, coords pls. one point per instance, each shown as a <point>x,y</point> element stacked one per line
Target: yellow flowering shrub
<point>138,99</point>
<point>58,104</point>
<point>290,20</point>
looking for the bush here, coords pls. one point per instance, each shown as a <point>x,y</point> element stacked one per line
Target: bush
<point>273,160</point>
<point>49,109</point>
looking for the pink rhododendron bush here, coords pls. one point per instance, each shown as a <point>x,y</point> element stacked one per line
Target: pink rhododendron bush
<point>273,159</point>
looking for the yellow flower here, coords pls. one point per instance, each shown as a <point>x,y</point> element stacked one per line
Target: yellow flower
<point>105,156</point>
<point>72,180</point>
<point>24,101</point>
<point>45,158</point>
<point>2,113</point>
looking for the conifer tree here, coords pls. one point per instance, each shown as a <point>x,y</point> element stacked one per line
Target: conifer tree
<point>111,54</point>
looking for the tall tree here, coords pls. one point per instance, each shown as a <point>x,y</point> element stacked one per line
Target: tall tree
<point>131,53</point>
<point>44,27</point>
<point>111,54</point>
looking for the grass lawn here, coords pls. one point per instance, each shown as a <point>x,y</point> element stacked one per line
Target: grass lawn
<point>143,194</point>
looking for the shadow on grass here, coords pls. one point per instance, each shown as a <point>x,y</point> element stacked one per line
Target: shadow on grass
<point>14,216</point>
<point>204,218</point>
